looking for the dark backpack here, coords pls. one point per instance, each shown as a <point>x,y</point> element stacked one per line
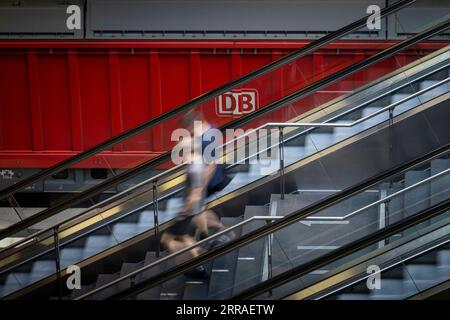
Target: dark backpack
<point>220,179</point>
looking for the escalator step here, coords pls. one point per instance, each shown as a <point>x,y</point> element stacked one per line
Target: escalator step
<point>71,256</point>
<point>195,290</point>
<point>107,292</point>
<point>317,141</point>
<point>128,267</point>
<point>96,244</point>
<point>103,279</point>
<point>250,257</point>
<point>222,276</point>
<point>150,294</point>
<point>417,198</point>
<point>220,283</point>
<point>84,289</point>
<point>173,289</point>
<point>439,187</point>
<point>396,206</point>
<point>444,258</point>
<point>359,288</point>
<point>289,204</point>
<point>430,94</point>
<point>429,258</point>
<point>374,121</point>
<point>146,217</point>
<point>406,105</point>
<point>421,272</point>
<point>131,218</point>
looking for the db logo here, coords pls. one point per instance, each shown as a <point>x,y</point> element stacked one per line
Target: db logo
<point>237,102</point>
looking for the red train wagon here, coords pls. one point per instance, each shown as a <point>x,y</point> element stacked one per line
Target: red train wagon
<point>58,98</point>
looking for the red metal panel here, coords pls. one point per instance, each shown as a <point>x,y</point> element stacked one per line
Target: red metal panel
<point>2,147</point>
<point>75,101</point>
<point>206,44</point>
<point>60,97</point>
<point>35,103</point>
<point>15,114</point>
<point>95,99</point>
<point>175,90</point>
<point>215,70</point>
<point>54,100</point>
<point>175,80</point>
<point>196,74</point>
<point>156,98</point>
<point>135,97</point>
<point>115,98</point>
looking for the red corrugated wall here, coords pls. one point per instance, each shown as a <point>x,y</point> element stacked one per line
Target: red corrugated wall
<point>58,98</point>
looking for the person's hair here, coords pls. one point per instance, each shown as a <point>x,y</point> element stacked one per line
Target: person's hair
<point>187,120</point>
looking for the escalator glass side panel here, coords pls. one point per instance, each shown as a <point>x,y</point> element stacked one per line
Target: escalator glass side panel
<point>106,229</point>
<point>120,233</point>
<point>254,95</point>
<point>323,232</point>
<point>300,142</point>
<point>397,267</point>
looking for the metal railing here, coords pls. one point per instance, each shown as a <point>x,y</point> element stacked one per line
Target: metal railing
<point>280,125</point>
<point>390,108</point>
<point>281,223</point>
<point>189,248</point>
<point>269,108</point>
<point>154,180</point>
<point>307,49</point>
<point>399,261</point>
<point>344,251</point>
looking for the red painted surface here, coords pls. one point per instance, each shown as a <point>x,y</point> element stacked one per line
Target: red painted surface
<point>58,98</point>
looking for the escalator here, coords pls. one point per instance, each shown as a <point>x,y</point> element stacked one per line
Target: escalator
<point>416,273</point>
<point>105,238</point>
<point>273,100</point>
<point>410,261</point>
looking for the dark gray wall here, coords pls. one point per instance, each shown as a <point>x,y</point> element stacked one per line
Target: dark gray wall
<point>36,19</point>
<point>222,18</point>
<point>208,19</point>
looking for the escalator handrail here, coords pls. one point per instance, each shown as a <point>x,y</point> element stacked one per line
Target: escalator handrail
<point>289,219</point>
<point>267,125</point>
<point>389,267</point>
<point>333,124</point>
<point>307,49</point>
<point>217,234</point>
<point>268,218</point>
<point>198,243</point>
<point>345,250</point>
<point>347,112</point>
<point>269,108</point>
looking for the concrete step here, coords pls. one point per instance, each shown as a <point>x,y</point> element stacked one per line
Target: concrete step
<point>417,198</point>
<point>430,94</point>
<point>316,142</point>
<point>406,105</point>
<point>250,257</point>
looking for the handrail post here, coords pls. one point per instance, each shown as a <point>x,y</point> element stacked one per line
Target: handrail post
<point>269,258</point>
<point>57,261</point>
<point>281,151</point>
<point>386,217</point>
<point>155,215</point>
<point>391,135</point>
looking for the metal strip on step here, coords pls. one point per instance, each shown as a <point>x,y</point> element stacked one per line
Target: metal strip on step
<point>317,247</point>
